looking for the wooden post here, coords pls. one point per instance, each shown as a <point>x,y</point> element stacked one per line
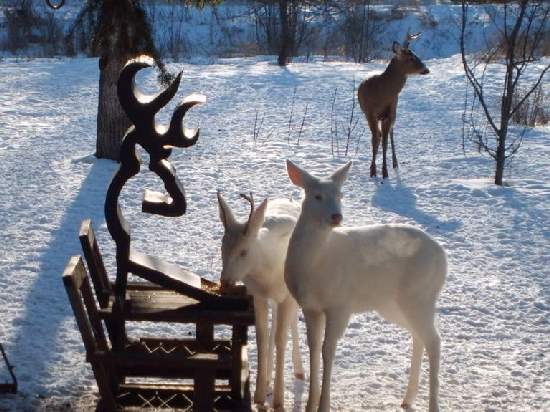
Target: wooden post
<point>238,381</point>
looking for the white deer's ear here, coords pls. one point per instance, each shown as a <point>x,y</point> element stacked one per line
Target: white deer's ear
<point>340,176</point>
<point>298,176</point>
<point>226,216</point>
<point>256,221</point>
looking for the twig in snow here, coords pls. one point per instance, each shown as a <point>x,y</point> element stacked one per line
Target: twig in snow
<point>302,125</point>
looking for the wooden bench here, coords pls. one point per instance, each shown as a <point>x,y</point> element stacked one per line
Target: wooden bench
<point>156,358</point>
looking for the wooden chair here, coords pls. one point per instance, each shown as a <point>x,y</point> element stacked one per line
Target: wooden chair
<point>167,359</point>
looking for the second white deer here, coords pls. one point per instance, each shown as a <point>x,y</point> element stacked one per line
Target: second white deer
<point>254,253</point>
<point>332,272</point>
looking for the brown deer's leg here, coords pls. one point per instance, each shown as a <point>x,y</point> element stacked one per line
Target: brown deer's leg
<point>386,127</point>
<point>373,125</point>
<point>394,157</point>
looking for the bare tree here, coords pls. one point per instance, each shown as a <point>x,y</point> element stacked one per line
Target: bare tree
<point>121,30</point>
<point>524,25</point>
<point>360,27</point>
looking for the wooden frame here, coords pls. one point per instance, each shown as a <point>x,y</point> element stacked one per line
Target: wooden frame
<point>204,362</point>
<point>168,294</point>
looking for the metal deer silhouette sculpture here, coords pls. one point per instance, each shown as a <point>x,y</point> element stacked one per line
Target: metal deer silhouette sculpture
<point>158,143</point>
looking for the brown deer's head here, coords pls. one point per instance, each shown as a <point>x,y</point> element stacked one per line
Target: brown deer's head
<point>407,60</point>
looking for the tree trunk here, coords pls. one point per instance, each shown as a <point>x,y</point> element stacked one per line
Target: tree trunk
<point>285,45</point>
<point>500,159</point>
<point>112,122</point>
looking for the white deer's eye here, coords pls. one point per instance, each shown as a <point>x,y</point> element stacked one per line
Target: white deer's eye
<point>243,253</point>
<point>318,197</point>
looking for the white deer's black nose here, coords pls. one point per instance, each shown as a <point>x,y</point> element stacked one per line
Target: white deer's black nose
<point>335,219</point>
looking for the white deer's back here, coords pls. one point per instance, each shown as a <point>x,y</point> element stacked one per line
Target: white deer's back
<point>280,220</point>
<point>364,267</point>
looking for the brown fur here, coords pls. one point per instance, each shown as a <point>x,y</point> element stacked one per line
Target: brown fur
<point>378,96</point>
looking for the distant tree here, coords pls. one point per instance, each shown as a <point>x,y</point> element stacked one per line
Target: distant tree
<point>288,16</point>
<point>285,33</point>
<point>522,30</point>
<point>121,31</point>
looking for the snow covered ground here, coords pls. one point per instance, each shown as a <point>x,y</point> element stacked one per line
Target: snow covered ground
<point>494,309</point>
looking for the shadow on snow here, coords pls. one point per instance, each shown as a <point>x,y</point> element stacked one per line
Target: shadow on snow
<point>46,304</point>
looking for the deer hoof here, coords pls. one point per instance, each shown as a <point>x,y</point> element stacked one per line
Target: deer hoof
<point>406,406</point>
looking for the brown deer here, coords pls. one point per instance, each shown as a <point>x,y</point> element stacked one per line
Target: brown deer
<point>378,97</point>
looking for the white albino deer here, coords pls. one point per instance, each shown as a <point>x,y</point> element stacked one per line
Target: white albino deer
<point>254,253</point>
<point>378,97</point>
<point>332,272</point>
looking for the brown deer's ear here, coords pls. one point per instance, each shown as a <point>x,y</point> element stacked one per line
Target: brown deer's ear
<point>396,47</point>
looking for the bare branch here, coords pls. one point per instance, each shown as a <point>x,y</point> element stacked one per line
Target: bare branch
<point>291,114</point>
<point>478,88</point>
<point>302,125</point>
<point>539,80</point>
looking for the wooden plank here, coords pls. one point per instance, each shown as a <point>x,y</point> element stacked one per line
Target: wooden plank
<point>239,357</point>
<point>182,315</point>
<point>74,277</point>
<point>165,271</point>
<point>97,270</point>
<point>165,306</point>
<point>8,388</point>
<point>204,391</point>
<point>173,277</point>
<point>205,333</point>
<point>169,361</point>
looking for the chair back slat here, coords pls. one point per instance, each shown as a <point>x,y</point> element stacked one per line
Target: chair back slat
<point>88,321</point>
<point>84,307</point>
<point>94,260</point>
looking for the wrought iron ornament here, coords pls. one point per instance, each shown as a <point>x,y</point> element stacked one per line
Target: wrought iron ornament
<point>158,142</point>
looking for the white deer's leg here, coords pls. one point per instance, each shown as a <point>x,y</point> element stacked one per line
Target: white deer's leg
<point>296,353</point>
<point>314,325</point>
<point>422,323</point>
<point>416,361</point>
<point>271,347</point>
<point>285,310</point>
<point>261,310</point>
<point>336,323</point>
<point>433,347</point>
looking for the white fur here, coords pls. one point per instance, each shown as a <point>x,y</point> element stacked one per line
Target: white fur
<point>332,272</point>
<point>265,239</point>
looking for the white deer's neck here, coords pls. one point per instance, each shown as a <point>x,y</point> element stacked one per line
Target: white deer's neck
<point>307,242</point>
